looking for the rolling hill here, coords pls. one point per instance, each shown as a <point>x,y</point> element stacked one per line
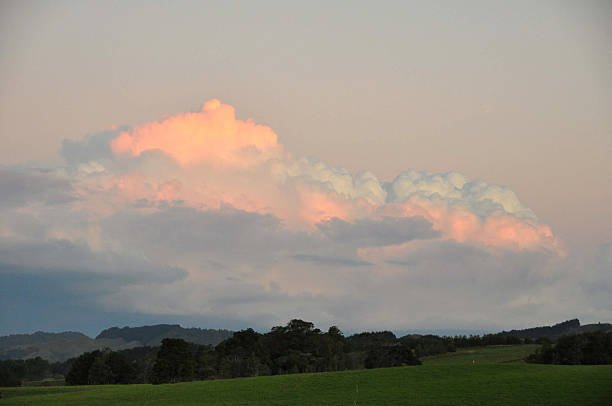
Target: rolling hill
<point>480,384</point>
<point>559,329</point>
<point>55,346</point>
<point>153,335</point>
<point>62,346</point>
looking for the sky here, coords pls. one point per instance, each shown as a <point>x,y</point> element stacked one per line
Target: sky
<point>412,166</point>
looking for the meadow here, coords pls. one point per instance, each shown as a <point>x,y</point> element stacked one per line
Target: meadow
<point>483,355</point>
<point>495,378</point>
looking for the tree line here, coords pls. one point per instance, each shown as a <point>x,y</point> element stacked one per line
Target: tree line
<point>297,347</point>
<point>294,348</point>
<point>587,348</point>
<point>14,371</point>
<point>424,345</point>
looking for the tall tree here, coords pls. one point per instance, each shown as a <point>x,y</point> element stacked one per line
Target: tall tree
<point>175,362</point>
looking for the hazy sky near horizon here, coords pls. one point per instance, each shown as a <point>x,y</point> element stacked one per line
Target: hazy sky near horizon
<point>515,94</point>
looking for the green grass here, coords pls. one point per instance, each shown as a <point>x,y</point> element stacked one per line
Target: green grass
<point>45,382</point>
<point>450,380</point>
<point>482,355</point>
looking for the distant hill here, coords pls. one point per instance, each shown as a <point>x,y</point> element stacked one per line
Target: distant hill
<point>153,335</point>
<point>55,346</point>
<point>560,329</point>
<point>62,346</point>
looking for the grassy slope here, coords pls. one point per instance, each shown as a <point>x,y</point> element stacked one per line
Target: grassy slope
<point>482,355</point>
<point>485,383</point>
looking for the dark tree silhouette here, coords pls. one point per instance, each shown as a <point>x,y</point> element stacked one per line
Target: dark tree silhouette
<point>175,362</point>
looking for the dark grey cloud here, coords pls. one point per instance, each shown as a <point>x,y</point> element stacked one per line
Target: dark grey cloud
<point>330,261</point>
<point>64,257</point>
<point>444,251</point>
<point>93,147</point>
<point>371,233</point>
<point>438,282</point>
<point>435,283</point>
<point>231,237</point>
<point>223,237</point>
<point>66,302</point>
<point>19,187</point>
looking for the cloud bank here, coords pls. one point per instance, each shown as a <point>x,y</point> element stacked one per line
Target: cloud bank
<point>204,214</point>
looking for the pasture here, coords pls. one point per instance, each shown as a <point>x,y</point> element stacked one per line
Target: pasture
<point>495,378</point>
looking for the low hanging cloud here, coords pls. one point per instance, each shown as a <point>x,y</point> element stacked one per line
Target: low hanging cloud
<point>204,214</point>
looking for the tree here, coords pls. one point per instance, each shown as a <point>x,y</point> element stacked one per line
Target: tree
<point>300,326</point>
<point>391,356</point>
<point>11,372</point>
<point>79,371</point>
<point>101,368</point>
<point>100,372</point>
<point>334,331</point>
<point>586,348</point>
<point>175,362</point>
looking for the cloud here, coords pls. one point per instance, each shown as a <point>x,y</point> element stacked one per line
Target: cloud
<point>93,147</point>
<point>212,135</point>
<point>67,257</point>
<point>204,215</point>
<point>21,187</point>
<point>457,189</point>
<point>200,237</point>
<point>364,186</point>
<point>377,232</point>
<point>330,261</point>
<point>209,158</point>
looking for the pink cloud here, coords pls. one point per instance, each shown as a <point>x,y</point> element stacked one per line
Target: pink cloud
<point>212,135</point>
<point>224,160</point>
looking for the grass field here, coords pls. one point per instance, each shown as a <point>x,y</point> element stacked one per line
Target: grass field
<point>483,355</point>
<point>490,381</point>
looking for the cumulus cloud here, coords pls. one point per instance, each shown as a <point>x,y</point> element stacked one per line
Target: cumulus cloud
<point>455,188</point>
<point>364,186</point>
<point>212,135</point>
<point>205,214</point>
<point>210,158</point>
